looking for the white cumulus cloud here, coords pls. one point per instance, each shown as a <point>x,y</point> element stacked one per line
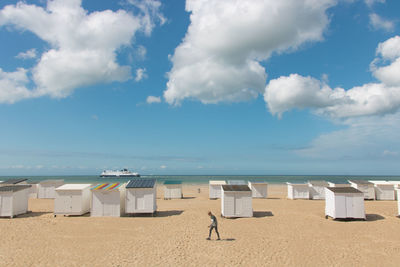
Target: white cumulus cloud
<point>13,86</point>
<point>140,74</point>
<point>31,53</point>
<point>372,2</point>
<point>379,23</point>
<point>153,99</point>
<point>295,91</point>
<point>83,46</point>
<point>219,57</point>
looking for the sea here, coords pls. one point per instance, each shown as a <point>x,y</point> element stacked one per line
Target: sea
<point>204,179</point>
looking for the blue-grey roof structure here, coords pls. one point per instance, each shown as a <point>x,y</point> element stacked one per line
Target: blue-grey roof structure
<point>13,188</point>
<point>141,183</point>
<point>172,182</point>
<point>14,181</point>
<point>237,182</point>
<point>235,188</point>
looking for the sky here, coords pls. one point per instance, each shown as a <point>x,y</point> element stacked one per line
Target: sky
<point>289,87</point>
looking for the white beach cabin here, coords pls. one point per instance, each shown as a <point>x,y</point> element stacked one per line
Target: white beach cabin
<point>298,191</point>
<point>344,202</point>
<point>215,189</point>
<point>141,196</point>
<point>396,185</point>
<point>47,188</point>
<point>236,201</point>
<point>172,189</point>
<point>108,200</point>
<point>72,199</point>
<point>259,189</point>
<point>364,186</point>
<point>13,200</point>
<point>317,189</point>
<point>33,191</point>
<point>398,202</point>
<point>384,190</point>
<point>331,184</point>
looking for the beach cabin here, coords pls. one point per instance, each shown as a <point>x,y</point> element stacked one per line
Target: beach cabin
<point>298,191</point>
<point>259,189</point>
<point>384,190</point>
<point>172,189</point>
<point>317,189</point>
<point>141,196</point>
<point>215,189</point>
<point>14,181</point>
<point>344,202</point>
<point>108,200</point>
<point>398,202</point>
<point>331,184</point>
<point>13,200</point>
<point>236,201</point>
<point>396,185</point>
<point>72,199</point>
<point>33,190</point>
<point>237,182</point>
<point>47,188</point>
<point>364,186</point>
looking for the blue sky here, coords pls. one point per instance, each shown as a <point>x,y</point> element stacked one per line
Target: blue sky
<point>200,87</point>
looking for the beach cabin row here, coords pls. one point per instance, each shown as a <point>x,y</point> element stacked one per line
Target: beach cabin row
<point>107,199</point>
<point>259,189</point>
<point>43,189</point>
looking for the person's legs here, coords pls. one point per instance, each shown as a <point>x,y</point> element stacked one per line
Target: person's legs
<point>209,234</point>
<point>216,230</point>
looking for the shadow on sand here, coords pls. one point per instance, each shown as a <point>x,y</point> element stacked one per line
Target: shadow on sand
<point>28,215</point>
<point>168,213</point>
<point>369,218</point>
<point>261,214</point>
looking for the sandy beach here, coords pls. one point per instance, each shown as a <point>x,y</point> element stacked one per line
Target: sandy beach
<point>283,232</point>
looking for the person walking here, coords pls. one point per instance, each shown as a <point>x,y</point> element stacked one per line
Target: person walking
<point>213,225</point>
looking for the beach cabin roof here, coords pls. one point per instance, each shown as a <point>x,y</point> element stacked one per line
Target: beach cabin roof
<point>296,184</point>
<point>318,183</point>
<point>13,188</point>
<point>258,182</point>
<point>237,182</point>
<point>360,182</point>
<point>172,182</point>
<point>14,181</point>
<point>52,181</point>
<point>380,182</point>
<point>235,188</point>
<point>106,186</point>
<point>344,190</point>
<point>68,187</point>
<point>141,183</point>
<point>215,182</point>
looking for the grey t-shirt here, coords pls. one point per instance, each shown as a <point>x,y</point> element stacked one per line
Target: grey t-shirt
<point>213,221</point>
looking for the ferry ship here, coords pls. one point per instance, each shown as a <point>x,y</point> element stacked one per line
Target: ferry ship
<point>122,173</point>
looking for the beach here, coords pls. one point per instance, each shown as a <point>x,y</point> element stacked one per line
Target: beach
<point>282,233</point>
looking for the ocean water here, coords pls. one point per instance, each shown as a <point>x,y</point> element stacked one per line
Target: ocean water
<point>203,179</point>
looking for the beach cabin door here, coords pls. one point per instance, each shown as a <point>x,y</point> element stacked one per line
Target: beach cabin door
<point>239,200</point>
<point>111,204</point>
<point>229,206</point>
<point>65,200</point>
<point>140,200</point>
<point>5,204</point>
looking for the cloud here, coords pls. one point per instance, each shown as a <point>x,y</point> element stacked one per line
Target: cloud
<point>13,86</point>
<point>153,99</point>
<point>296,91</point>
<point>163,167</point>
<point>362,138</point>
<point>370,3</point>
<point>140,74</point>
<point>378,23</point>
<point>31,53</point>
<point>83,46</point>
<point>219,57</point>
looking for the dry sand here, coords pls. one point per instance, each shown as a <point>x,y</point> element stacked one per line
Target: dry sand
<point>284,232</point>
